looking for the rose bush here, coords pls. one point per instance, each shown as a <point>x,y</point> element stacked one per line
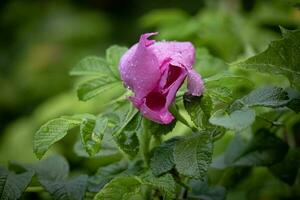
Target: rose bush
<point>154,71</point>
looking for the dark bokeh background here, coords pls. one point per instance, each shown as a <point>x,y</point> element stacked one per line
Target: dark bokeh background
<point>40,41</point>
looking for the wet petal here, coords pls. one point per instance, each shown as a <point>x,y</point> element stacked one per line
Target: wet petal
<point>139,67</point>
<point>173,86</point>
<point>156,109</point>
<point>180,52</point>
<point>155,71</point>
<point>195,83</point>
<point>157,102</point>
<point>153,107</point>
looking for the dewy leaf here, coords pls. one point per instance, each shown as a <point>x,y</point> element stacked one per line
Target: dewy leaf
<point>92,131</point>
<point>94,87</point>
<point>269,96</point>
<point>113,56</point>
<point>281,57</point>
<point>121,188</point>
<point>165,184</point>
<point>125,123</point>
<point>162,159</point>
<point>288,169</point>
<point>192,155</point>
<point>199,108</point>
<point>94,66</point>
<point>158,129</point>
<point>13,185</point>
<point>52,132</point>
<point>236,120</point>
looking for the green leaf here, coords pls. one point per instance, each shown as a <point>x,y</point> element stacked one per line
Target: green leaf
<point>192,155</point>
<point>73,189</point>
<point>162,159</point>
<point>288,169</point>
<point>294,103</point>
<point>121,188</point>
<point>107,150</point>
<point>107,173</point>
<point>52,173</point>
<point>94,87</point>
<point>264,149</point>
<point>52,168</point>
<point>223,94</point>
<point>199,108</point>
<point>165,184</point>
<point>269,96</point>
<point>208,65</point>
<point>52,132</point>
<point>225,86</point>
<point>94,66</point>
<point>156,129</point>
<point>239,116</point>
<point>236,120</point>
<point>227,79</point>
<point>281,57</point>
<point>113,57</point>
<point>201,190</point>
<point>13,185</point>
<point>125,125</point>
<point>92,131</point>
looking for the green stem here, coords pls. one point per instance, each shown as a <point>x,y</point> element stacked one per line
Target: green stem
<point>181,118</point>
<point>156,140</point>
<point>145,146</point>
<point>34,189</point>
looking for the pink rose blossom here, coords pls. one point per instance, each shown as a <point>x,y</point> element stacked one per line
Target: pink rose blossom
<point>154,71</point>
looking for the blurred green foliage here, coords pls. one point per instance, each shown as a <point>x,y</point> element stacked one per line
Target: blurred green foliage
<point>41,41</point>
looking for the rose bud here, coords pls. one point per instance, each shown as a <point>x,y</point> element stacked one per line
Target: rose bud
<point>154,71</point>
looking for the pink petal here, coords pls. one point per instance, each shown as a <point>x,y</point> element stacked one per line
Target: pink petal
<point>175,80</point>
<point>195,83</point>
<point>155,71</point>
<point>180,52</point>
<point>139,67</point>
<point>155,105</point>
